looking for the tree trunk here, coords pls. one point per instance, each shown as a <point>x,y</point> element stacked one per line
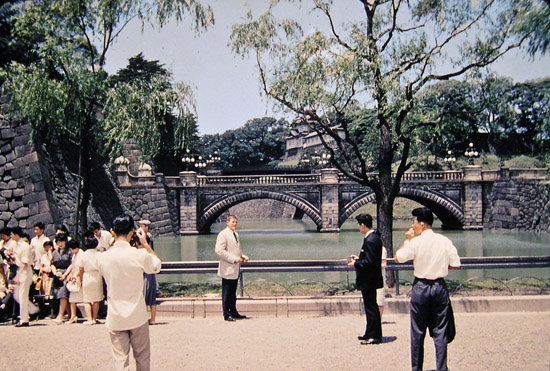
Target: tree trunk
<point>385,195</point>
<point>384,212</point>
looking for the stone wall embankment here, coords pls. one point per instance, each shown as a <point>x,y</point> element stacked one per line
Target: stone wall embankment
<point>152,203</point>
<point>518,204</point>
<point>23,191</point>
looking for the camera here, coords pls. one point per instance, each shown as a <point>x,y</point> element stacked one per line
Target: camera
<point>134,241</point>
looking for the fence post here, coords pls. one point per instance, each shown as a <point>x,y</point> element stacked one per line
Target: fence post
<point>241,285</point>
<point>397,282</point>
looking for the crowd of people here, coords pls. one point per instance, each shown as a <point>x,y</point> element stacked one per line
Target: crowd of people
<point>59,278</point>
<point>67,272</point>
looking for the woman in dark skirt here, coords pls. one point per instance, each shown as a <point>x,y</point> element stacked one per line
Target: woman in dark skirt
<point>150,294</point>
<point>61,261</point>
<point>149,280</point>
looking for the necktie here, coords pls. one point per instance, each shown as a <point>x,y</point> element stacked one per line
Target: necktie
<point>236,239</point>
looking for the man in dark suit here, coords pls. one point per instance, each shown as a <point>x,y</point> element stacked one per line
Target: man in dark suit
<point>368,268</point>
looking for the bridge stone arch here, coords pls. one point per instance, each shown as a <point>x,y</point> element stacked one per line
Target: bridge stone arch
<point>355,204</point>
<point>218,207</point>
<point>450,214</point>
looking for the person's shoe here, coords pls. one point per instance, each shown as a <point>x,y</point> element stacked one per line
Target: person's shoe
<point>57,321</point>
<point>362,337</point>
<point>22,324</point>
<point>72,320</point>
<point>371,341</point>
<point>239,316</point>
<point>229,319</point>
<point>90,322</point>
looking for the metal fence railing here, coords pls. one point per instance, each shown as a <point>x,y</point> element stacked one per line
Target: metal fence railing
<point>257,266</point>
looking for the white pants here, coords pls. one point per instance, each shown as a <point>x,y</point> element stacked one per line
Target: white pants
<point>138,338</point>
<point>21,294</point>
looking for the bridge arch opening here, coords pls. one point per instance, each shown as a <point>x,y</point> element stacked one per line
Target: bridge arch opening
<point>450,214</point>
<point>213,211</point>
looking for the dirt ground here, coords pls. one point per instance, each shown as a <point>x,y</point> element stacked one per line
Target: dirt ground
<point>485,341</point>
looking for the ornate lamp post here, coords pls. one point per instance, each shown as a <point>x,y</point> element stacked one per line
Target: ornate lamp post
<point>198,163</point>
<point>449,159</point>
<point>188,160</point>
<point>315,160</point>
<point>325,159</point>
<point>471,153</point>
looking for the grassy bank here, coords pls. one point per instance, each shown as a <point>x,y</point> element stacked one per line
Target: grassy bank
<point>260,288</point>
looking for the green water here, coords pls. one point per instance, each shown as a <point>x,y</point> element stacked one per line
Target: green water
<point>281,239</point>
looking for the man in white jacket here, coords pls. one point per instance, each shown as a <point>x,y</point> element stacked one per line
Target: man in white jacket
<point>228,248</point>
<point>123,266</point>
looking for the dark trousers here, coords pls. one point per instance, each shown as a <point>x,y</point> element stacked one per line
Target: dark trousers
<point>430,308</point>
<point>229,297</point>
<point>374,325</point>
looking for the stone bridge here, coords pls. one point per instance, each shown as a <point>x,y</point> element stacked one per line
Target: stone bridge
<point>328,198</point>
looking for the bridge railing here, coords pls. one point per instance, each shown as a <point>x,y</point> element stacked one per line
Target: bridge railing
<point>270,266</point>
<point>257,179</point>
<point>413,176</point>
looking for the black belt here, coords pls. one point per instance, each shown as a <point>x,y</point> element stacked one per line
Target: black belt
<point>427,281</point>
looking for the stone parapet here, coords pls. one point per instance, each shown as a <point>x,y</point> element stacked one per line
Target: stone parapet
<point>341,306</point>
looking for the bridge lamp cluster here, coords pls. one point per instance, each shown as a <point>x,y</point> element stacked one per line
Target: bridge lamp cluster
<point>471,153</point>
<point>199,162</point>
<point>450,159</point>
<point>321,160</point>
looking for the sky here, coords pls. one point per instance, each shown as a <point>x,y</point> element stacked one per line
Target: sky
<point>227,89</point>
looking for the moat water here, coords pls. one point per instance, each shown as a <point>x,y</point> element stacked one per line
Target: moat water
<point>284,239</point>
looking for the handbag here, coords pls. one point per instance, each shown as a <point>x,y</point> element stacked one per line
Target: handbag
<point>73,284</point>
<point>38,283</point>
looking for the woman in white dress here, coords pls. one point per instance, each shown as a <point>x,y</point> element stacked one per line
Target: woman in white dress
<point>92,282</point>
<point>75,296</point>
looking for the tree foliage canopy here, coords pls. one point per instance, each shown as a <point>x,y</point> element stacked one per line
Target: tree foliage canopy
<point>381,62</point>
<point>258,142</point>
<point>65,93</point>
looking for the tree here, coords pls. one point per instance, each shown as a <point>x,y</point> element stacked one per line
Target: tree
<point>530,102</point>
<point>532,20</point>
<point>14,48</point>
<point>382,63</point>
<point>63,93</point>
<point>158,115</point>
<point>261,141</point>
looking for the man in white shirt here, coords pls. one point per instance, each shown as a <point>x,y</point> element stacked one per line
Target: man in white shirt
<point>433,254</point>
<point>37,245</point>
<point>23,279</point>
<point>122,267</point>
<point>104,238</point>
<point>7,242</point>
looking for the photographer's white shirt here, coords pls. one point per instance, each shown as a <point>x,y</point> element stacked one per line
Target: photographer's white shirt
<point>123,266</point>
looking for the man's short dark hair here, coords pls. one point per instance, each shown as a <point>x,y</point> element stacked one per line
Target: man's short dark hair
<point>6,231</point>
<point>18,231</point>
<point>73,244</point>
<point>39,225</point>
<point>123,224</point>
<point>94,226</point>
<point>365,219</point>
<point>423,214</point>
<point>90,243</point>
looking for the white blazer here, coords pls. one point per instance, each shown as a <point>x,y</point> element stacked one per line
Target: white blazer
<point>229,250</point>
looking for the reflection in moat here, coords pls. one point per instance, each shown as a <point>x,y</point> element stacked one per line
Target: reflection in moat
<point>282,239</point>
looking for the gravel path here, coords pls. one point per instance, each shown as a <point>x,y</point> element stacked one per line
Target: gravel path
<point>501,341</point>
